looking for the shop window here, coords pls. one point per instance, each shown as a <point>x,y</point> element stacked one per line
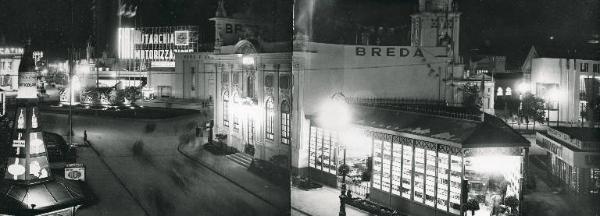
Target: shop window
<point>321,150</point>
<point>407,168</point>
<point>386,177</point>
<point>377,163</point>
<point>456,165</point>
<point>270,109</point>
<point>430,172</point>
<point>397,169</point>
<point>236,78</point>
<point>443,179</point>
<point>500,92</point>
<point>419,175</point>
<point>226,109</point>
<point>285,122</point>
<point>583,67</point>
<point>508,91</point>
<point>596,68</point>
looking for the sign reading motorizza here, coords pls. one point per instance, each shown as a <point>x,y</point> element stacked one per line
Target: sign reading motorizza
<point>157,43</point>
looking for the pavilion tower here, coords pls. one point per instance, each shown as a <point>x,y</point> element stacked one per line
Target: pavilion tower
<point>28,187</point>
<point>437,24</point>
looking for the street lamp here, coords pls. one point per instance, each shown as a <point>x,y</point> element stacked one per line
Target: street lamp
<point>336,115</point>
<point>522,88</point>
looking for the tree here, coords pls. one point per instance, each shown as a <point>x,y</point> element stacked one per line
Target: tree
<point>472,205</point>
<point>471,96</point>
<point>133,94</point>
<point>533,108</point>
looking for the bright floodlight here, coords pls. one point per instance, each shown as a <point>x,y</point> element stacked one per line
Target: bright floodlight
<point>248,60</point>
<point>335,114</point>
<point>494,164</point>
<point>554,94</point>
<point>523,87</point>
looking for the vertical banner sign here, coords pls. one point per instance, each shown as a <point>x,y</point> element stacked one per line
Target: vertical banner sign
<point>27,85</point>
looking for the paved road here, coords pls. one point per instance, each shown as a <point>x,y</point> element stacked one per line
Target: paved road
<point>144,157</point>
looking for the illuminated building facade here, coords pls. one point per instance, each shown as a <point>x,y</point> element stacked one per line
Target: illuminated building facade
<point>248,78</point>
<point>566,79</point>
<point>10,57</point>
<point>574,155</point>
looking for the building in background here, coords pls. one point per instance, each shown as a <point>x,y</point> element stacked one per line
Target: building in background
<point>10,57</point>
<point>567,80</point>
<point>574,156</point>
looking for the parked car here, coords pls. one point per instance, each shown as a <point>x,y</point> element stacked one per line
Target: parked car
<point>59,153</point>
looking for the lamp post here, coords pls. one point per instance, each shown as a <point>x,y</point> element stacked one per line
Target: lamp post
<point>522,88</point>
<point>335,114</point>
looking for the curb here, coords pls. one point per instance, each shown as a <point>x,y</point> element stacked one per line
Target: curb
<point>88,143</point>
<point>225,177</point>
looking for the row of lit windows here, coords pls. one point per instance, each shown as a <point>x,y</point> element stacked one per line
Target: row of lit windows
<point>322,145</point>
<point>421,175</point>
<point>270,110</point>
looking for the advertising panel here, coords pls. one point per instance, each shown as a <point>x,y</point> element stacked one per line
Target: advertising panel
<point>157,44</point>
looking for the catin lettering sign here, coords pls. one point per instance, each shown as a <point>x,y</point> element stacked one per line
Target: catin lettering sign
<point>388,51</point>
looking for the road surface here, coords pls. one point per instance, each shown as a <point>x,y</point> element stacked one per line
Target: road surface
<point>143,155</point>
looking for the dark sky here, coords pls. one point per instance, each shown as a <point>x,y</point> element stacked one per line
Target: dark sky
<point>505,27</point>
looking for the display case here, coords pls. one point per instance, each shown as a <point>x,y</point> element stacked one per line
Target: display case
<point>397,169</point>
<point>322,150</point>
<point>377,163</point>
<point>430,188</point>
<point>386,177</point>
<point>419,175</point>
<point>407,169</point>
<point>443,178</point>
<point>456,164</point>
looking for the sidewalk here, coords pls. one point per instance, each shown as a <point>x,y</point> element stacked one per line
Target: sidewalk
<point>239,175</point>
<point>112,197</point>
<point>321,201</point>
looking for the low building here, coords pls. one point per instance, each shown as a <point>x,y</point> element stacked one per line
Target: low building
<point>568,80</point>
<point>10,57</point>
<point>574,156</point>
<point>418,159</point>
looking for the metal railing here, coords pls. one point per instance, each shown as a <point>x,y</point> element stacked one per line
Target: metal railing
<point>434,107</point>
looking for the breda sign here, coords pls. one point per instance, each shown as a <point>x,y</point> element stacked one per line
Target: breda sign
<point>388,51</point>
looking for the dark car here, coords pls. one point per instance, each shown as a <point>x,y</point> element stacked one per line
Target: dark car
<point>58,150</point>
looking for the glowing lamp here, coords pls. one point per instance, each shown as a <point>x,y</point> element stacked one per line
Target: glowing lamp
<point>523,87</point>
<point>248,60</point>
<point>335,114</point>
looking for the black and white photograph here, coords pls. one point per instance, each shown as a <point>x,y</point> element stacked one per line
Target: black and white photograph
<point>300,107</point>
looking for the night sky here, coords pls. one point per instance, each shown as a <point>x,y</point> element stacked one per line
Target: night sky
<point>505,27</point>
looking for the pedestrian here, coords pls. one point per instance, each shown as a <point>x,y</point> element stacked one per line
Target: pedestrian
<point>84,135</point>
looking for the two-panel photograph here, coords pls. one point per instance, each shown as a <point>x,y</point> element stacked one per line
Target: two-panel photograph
<point>299,107</point>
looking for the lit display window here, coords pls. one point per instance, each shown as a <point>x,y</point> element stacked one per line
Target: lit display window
<point>419,173</point>
<point>321,150</point>
<point>226,109</point>
<point>386,166</point>
<point>397,169</point>
<point>407,169</point>
<point>443,176</point>
<point>430,173</point>
<point>456,165</point>
<point>377,163</point>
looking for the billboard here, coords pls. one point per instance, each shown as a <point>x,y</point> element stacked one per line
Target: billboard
<point>157,44</point>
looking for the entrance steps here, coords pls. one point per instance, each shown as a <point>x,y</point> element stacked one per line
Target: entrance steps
<point>241,158</point>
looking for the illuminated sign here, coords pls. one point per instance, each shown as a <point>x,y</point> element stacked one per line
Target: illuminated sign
<point>157,43</point>
<point>27,85</point>
<point>11,51</point>
<point>182,38</point>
